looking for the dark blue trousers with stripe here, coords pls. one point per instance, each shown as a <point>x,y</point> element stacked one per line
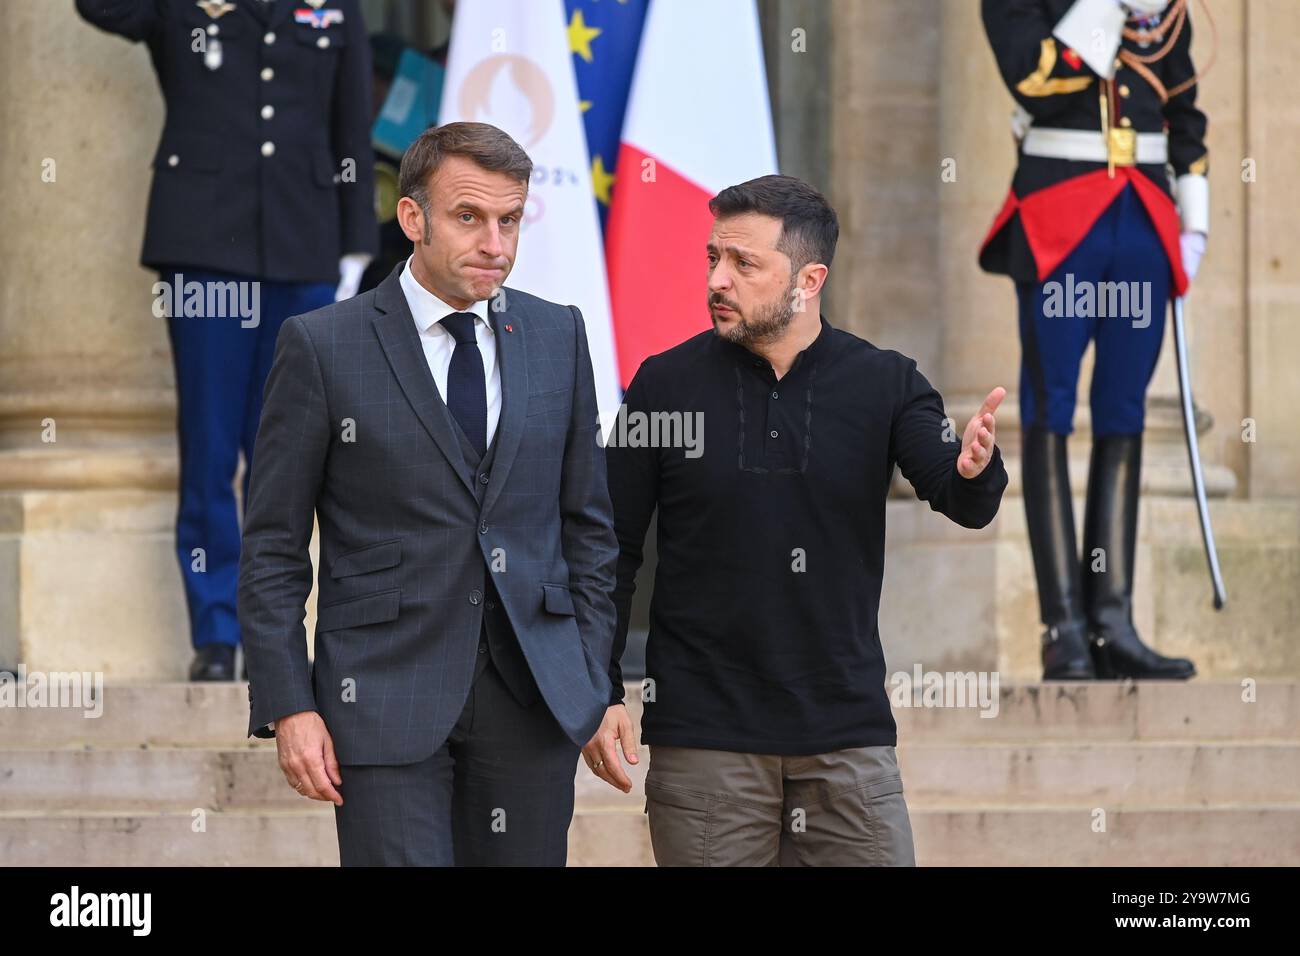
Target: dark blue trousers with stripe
<point>1119,267</point>
<point>221,364</point>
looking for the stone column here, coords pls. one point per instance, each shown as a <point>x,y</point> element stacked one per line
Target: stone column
<point>88,581</point>
<point>1269,247</point>
<point>883,169</point>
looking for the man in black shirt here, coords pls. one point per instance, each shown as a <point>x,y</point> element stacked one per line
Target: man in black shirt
<point>767,446</point>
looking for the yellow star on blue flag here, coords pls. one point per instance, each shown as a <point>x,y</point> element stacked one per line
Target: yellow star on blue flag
<point>603,37</point>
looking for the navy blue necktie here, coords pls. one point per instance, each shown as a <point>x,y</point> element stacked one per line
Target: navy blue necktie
<point>466,382</point>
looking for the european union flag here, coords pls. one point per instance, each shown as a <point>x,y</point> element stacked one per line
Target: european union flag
<point>604,36</point>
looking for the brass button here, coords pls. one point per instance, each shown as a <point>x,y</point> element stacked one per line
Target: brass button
<point>1124,91</point>
<point>1125,121</point>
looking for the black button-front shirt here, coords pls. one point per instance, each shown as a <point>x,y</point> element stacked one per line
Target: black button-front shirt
<point>771,535</point>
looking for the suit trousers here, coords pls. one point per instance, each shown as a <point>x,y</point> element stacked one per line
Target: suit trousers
<point>498,792</point>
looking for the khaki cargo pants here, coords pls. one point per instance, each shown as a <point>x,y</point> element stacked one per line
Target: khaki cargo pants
<point>718,808</point>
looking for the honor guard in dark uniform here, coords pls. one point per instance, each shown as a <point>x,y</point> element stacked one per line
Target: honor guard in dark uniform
<point>1106,218</point>
<point>262,205</point>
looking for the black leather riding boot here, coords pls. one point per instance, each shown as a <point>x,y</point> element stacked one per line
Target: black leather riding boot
<point>1050,518</point>
<point>1110,535</point>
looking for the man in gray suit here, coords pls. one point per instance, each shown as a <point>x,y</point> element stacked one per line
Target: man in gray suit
<point>443,429</point>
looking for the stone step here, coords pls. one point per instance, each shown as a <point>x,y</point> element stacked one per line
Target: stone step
<point>1106,775</point>
<point>1185,773</point>
<point>1115,711</point>
<point>137,715</point>
<point>1045,836</point>
<point>967,836</point>
<point>205,715</point>
<point>1085,774</point>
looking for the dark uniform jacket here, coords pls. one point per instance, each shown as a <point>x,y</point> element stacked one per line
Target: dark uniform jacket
<point>264,167</point>
<point>1058,90</point>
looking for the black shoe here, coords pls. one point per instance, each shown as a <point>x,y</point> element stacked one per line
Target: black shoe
<point>1065,653</point>
<point>1050,518</point>
<point>215,662</point>
<point>1110,524</point>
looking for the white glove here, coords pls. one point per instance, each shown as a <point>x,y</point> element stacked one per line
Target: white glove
<point>351,267</point>
<point>1021,120</point>
<point>1193,247</point>
<point>1192,191</point>
<point>1093,28</point>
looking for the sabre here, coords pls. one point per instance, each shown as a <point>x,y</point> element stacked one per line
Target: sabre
<point>1194,454</point>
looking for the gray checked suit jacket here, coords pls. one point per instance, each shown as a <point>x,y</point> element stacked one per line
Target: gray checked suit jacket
<point>353,430</point>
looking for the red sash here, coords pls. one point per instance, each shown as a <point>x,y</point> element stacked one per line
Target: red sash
<point>1057,218</point>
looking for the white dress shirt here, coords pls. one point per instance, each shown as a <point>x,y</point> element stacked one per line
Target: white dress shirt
<point>429,311</point>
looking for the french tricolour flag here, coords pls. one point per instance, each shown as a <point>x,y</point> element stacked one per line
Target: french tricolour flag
<point>698,120</point>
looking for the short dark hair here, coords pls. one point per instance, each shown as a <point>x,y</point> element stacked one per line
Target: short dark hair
<point>486,146</point>
<point>809,226</point>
